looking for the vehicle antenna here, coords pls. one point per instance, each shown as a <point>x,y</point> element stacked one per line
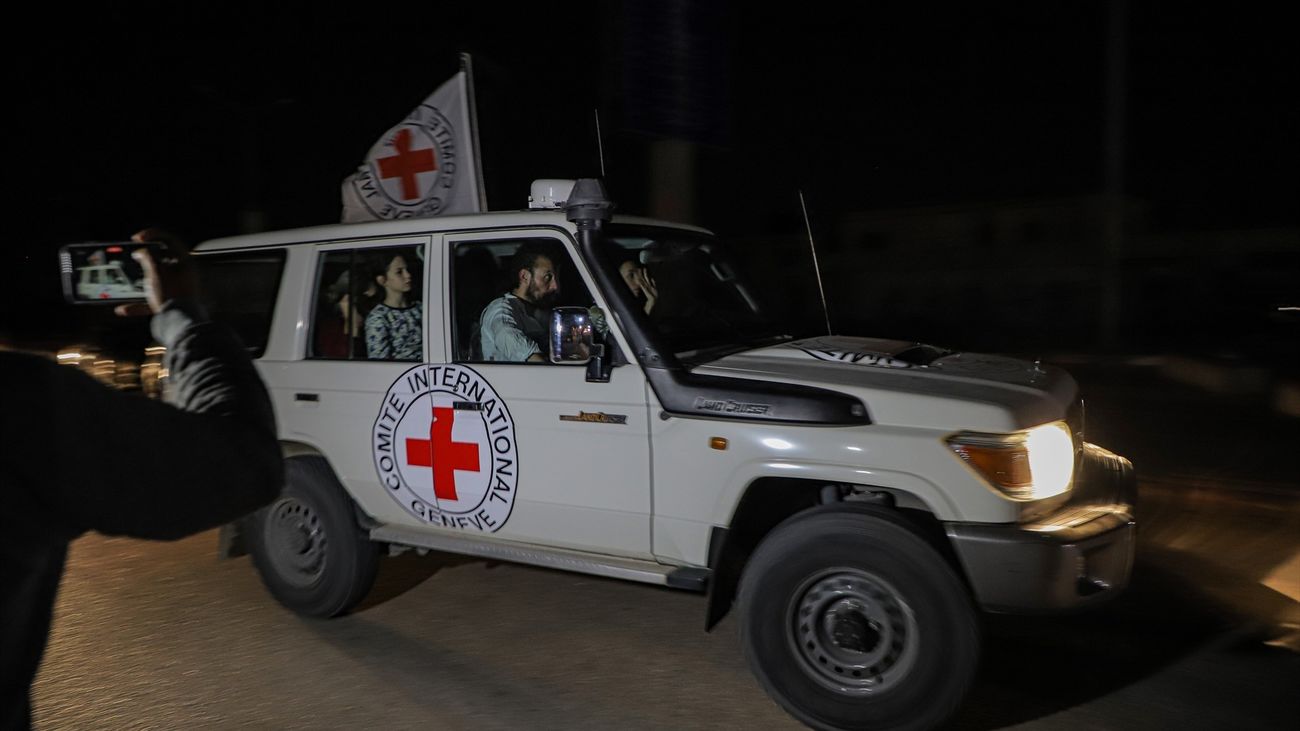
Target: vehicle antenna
<point>816,267</point>
<point>600,144</point>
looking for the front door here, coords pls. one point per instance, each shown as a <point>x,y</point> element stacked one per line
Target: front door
<point>567,461</point>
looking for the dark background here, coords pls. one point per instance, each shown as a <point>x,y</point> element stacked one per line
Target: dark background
<point>954,160</point>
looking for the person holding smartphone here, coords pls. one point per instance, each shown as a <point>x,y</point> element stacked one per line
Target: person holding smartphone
<point>210,458</point>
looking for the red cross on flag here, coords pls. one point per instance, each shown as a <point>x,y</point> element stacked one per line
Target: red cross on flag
<point>427,165</point>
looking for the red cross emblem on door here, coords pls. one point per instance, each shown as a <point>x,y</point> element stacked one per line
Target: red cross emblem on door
<point>407,164</point>
<point>442,454</point>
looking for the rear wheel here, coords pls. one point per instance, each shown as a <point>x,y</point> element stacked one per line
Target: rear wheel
<point>310,552</point>
<point>851,620</point>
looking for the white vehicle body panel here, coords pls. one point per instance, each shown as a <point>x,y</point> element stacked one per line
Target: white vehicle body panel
<point>957,391</point>
<point>698,487</point>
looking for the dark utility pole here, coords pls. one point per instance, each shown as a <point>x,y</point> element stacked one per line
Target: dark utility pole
<point>1112,275</point>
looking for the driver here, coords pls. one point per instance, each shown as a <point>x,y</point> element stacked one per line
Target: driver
<point>514,326</point>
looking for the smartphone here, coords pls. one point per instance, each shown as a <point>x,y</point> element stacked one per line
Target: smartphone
<point>105,273</point>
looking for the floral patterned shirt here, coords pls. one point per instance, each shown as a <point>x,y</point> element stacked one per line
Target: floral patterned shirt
<point>394,333</point>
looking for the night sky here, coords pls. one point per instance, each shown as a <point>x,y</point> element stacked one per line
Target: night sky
<point>188,118</point>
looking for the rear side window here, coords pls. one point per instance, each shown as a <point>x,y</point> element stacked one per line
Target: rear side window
<point>239,290</point>
<point>369,305</point>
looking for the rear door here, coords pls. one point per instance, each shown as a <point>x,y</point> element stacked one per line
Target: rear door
<point>329,389</point>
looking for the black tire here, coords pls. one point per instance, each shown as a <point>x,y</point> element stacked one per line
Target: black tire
<point>893,639</point>
<point>307,547</point>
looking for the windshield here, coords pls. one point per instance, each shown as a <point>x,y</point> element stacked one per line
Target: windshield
<point>692,291</point>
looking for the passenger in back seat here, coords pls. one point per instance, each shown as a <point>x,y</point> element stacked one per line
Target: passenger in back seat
<point>394,327</point>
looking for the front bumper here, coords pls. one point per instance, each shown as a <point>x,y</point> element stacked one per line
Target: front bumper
<point>1079,555</point>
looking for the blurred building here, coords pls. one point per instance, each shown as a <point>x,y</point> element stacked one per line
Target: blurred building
<point>1031,273</point>
<point>1004,269</point>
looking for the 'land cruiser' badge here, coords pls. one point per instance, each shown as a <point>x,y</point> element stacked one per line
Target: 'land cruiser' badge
<point>444,446</point>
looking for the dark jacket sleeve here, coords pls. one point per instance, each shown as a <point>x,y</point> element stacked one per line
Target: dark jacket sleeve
<point>79,456</point>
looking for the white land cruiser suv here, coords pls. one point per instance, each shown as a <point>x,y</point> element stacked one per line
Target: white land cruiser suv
<point>859,500</point>
<point>107,281</point>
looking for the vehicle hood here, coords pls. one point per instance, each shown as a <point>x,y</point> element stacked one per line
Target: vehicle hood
<point>910,384</point>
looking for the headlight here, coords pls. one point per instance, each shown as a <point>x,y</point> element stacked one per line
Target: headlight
<point>1027,465</point>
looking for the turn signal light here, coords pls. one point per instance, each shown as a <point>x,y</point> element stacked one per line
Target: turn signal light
<point>1004,466</point>
<point>1026,465</point>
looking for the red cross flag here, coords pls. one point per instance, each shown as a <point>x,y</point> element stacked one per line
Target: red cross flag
<point>425,166</point>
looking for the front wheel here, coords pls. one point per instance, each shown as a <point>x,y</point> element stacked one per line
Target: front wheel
<point>851,620</point>
<point>310,552</point>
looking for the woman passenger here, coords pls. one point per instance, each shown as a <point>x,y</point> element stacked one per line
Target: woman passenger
<point>394,330</point>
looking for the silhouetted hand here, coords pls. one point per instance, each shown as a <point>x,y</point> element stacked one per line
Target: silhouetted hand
<point>170,277</point>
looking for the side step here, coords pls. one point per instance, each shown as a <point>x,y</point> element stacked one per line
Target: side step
<point>627,569</point>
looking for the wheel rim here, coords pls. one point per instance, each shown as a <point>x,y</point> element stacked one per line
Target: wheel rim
<point>852,631</point>
<point>296,541</point>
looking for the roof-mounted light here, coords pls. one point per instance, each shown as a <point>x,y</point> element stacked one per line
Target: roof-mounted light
<point>549,193</point>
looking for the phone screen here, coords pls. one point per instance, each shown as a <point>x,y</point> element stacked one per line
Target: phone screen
<point>103,272</point>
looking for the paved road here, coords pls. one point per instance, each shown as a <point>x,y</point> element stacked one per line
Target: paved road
<point>164,636</point>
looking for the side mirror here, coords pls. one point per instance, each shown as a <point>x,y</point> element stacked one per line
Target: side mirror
<point>573,336</point>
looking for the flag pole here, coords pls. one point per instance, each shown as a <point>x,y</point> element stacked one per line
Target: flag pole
<point>467,65</point>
